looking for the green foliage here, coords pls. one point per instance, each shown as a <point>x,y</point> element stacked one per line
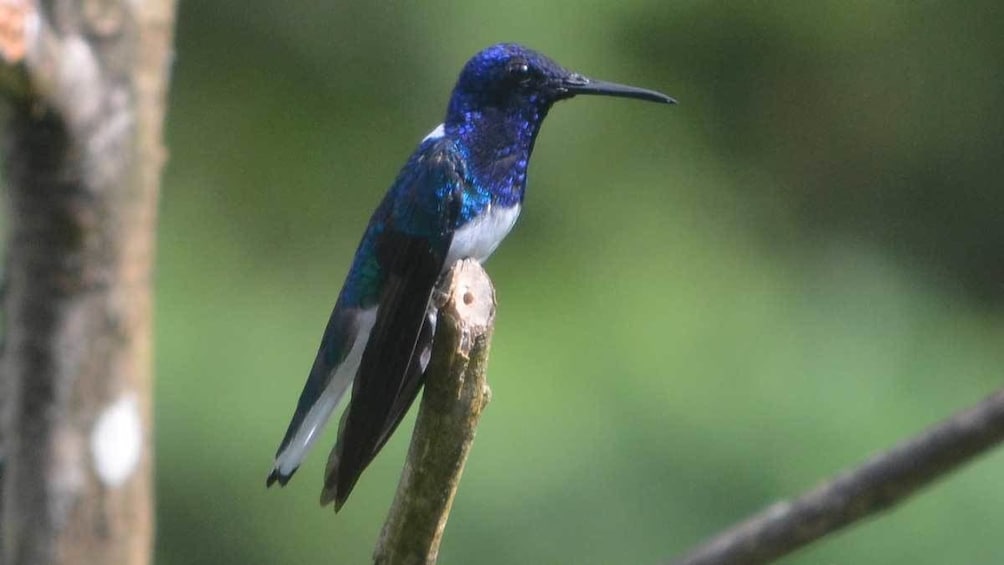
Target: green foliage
<point>703,308</point>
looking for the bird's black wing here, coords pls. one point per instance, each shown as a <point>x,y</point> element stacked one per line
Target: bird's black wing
<point>386,371</point>
<point>391,370</point>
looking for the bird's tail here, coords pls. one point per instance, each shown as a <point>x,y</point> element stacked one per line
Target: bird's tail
<point>288,459</point>
<point>330,377</point>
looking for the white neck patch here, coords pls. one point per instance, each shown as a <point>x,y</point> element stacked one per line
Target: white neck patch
<point>440,131</point>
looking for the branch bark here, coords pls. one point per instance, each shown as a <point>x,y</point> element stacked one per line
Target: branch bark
<point>455,394</point>
<point>878,484</point>
<point>86,85</point>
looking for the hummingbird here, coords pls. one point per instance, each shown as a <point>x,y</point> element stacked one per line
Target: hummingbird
<point>456,198</point>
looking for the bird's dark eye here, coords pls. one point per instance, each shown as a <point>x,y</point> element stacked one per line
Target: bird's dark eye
<point>519,71</point>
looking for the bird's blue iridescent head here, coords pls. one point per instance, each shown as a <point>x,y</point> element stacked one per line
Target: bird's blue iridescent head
<point>502,96</point>
<point>510,80</point>
<point>504,79</point>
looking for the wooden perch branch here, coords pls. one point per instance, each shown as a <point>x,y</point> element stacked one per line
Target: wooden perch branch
<point>878,484</point>
<point>85,85</point>
<point>455,394</point>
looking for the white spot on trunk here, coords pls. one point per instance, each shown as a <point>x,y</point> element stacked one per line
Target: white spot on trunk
<point>117,441</point>
<point>78,88</point>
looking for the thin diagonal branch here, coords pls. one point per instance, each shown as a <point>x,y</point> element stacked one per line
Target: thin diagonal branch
<point>456,392</point>
<point>880,483</point>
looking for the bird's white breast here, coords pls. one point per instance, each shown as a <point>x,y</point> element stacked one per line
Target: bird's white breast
<point>479,237</point>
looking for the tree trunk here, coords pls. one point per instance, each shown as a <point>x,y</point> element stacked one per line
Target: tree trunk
<point>82,157</point>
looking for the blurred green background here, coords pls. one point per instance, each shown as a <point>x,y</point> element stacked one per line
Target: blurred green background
<point>702,309</point>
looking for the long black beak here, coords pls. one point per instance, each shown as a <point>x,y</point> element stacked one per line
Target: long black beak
<point>577,84</point>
